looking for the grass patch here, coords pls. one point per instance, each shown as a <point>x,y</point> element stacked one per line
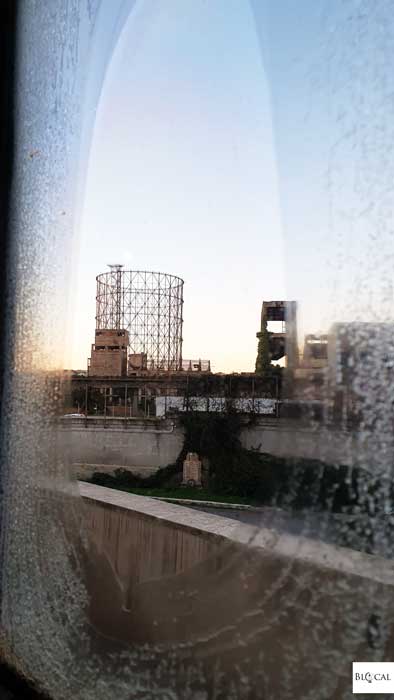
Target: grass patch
<point>192,494</point>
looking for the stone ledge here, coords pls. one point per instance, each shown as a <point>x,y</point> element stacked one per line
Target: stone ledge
<point>211,504</point>
<point>271,542</point>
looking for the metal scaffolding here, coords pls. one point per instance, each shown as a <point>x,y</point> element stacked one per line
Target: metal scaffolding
<point>149,305</point>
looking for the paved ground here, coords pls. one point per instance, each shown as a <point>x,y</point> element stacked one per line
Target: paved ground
<point>363,533</point>
<point>310,525</point>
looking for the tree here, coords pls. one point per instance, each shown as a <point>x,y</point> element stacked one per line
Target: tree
<point>95,399</point>
<point>263,360</point>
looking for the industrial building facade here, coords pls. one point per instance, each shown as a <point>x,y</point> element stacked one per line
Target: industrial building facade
<point>109,353</point>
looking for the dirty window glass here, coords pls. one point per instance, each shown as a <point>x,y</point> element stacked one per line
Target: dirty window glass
<point>197,426</point>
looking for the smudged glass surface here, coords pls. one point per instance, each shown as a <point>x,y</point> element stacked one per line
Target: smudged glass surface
<point>105,596</point>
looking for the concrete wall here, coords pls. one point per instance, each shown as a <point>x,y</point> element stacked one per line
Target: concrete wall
<point>287,438</point>
<point>285,614</point>
<point>143,445</point>
<point>146,445</point>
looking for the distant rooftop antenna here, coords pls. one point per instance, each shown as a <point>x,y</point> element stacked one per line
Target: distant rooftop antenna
<point>116,275</point>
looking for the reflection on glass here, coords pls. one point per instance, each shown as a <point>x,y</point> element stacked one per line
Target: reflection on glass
<point>198,457</point>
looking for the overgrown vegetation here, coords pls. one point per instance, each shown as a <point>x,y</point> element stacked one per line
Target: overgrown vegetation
<point>77,400</point>
<point>244,475</point>
<point>263,359</point>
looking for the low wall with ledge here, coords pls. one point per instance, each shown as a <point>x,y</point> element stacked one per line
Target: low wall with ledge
<point>293,613</point>
<point>145,445</point>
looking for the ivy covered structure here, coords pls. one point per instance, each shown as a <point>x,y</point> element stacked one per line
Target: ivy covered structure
<point>282,342</point>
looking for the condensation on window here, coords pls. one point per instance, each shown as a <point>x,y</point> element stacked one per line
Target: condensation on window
<point>105,594</point>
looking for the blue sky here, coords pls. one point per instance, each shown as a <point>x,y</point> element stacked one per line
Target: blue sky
<point>182,175</point>
<point>245,147</point>
<point>330,75</point>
